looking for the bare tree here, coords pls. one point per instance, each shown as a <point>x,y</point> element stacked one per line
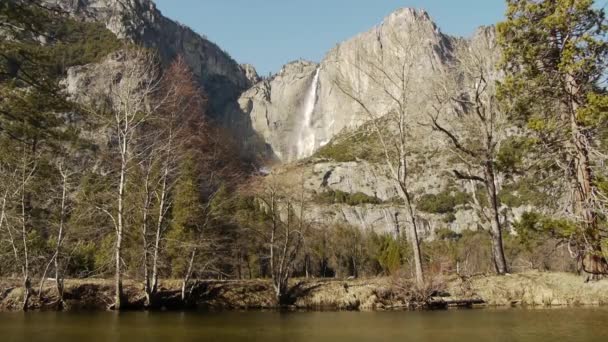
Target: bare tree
<point>64,209</point>
<point>476,130</point>
<point>16,178</point>
<point>130,100</point>
<point>390,67</point>
<point>282,232</point>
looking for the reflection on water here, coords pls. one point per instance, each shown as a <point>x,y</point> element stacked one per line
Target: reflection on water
<point>571,324</point>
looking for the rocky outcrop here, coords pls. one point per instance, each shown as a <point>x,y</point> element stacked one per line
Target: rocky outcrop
<point>141,22</point>
<point>388,215</point>
<point>371,179</point>
<point>251,73</point>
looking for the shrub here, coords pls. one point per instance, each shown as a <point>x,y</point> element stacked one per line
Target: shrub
<point>337,196</point>
<point>391,255</point>
<point>82,260</point>
<point>361,144</point>
<point>80,43</point>
<point>522,192</point>
<point>442,203</point>
<point>361,198</point>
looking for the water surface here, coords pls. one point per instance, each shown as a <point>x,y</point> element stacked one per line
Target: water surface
<point>578,324</point>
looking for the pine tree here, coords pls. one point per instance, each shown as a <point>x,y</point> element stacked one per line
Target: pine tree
<point>186,231</point>
<point>32,128</point>
<point>555,55</point>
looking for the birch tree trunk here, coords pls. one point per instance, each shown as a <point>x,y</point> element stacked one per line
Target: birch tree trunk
<point>60,236</point>
<point>24,235</point>
<point>159,227</point>
<point>188,275</point>
<point>144,233</point>
<point>118,300</point>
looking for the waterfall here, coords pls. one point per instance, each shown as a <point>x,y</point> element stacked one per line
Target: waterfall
<point>306,138</point>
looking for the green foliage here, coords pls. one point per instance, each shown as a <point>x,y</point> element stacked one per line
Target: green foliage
<point>391,254</point>
<point>534,226</point>
<point>80,43</point>
<point>83,257</point>
<point>104,255</point>
<point>444,202</point>
<point>547,44</point>
<point>186,209</point>
<point>447,235</point>
<point>512,153</point>
<point>30,71</point>
<point>555,57</point>
<point>525,191</point>
<point>539,63</point>
<point>187,217</point>
<point>360,144</point>
<point>337,196</point>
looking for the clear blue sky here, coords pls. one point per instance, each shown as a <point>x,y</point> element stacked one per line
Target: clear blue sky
<point>270,33</point>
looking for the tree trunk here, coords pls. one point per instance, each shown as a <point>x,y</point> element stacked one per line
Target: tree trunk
<point>417,254</point>
<point>58,276</point>
<point>58,282</point>
<point>26,257</point>
<point>498,252</point>
<point>27,286</point>
<point>414,238</point>
<point>188,275</point>
<point>144,235</point>
<point>147,289</point>
<point>306,265</point>
<point>584,206</point>
<point>249,269</point>
<point>118,304</point>
<point>159,227</point>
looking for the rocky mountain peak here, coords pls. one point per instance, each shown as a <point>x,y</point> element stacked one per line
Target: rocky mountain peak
<point>140,21</point>
<point>303,104</point>
<point>486,34</point>
<point>251,73</point>
<point>411,14</point>
<point>411,19</point>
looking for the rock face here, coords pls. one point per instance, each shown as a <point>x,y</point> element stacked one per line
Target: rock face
<point>251,73</point>
<point>141,22</point>
<point>367,67</point>
<point>387,217</point>
<point>277,107</point>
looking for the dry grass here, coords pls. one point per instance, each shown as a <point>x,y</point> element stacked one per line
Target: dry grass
<point>533,288</point>
<point>357,294</point>
<point>530,288</point>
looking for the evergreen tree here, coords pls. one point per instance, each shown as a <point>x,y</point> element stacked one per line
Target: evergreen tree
<point>32,129</point>
<point>186,232</point>
<point>555,55</point>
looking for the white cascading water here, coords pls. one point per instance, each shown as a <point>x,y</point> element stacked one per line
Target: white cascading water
<point>306,139</point>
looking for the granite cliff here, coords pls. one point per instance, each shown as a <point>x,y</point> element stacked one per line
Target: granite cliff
<point>140,22</point>
<point>328,143</point>
<point>278,107</point>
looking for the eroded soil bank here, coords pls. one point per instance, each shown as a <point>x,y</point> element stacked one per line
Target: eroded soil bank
<point>532,288</point>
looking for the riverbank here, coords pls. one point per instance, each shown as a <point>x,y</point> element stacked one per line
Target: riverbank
<point>532,288</point>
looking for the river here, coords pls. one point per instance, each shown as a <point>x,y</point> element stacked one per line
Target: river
<point>478,325</point>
